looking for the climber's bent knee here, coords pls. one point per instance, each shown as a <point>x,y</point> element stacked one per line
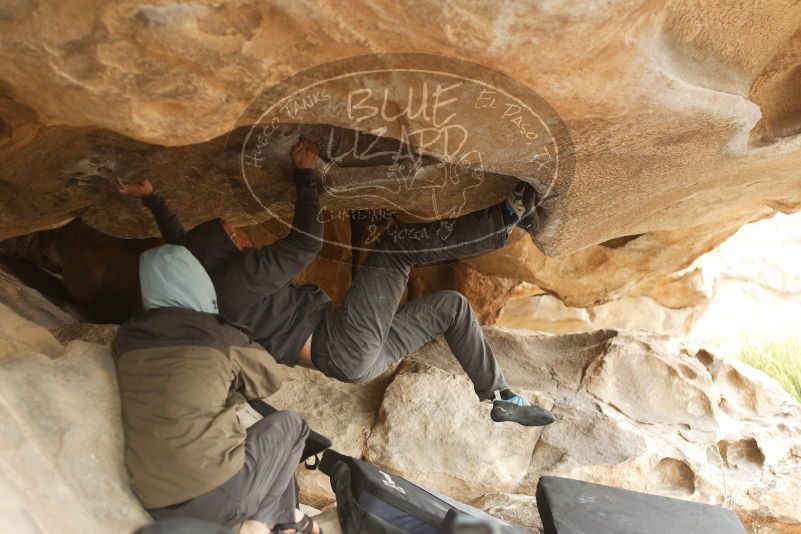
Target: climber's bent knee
<point>353,368</point>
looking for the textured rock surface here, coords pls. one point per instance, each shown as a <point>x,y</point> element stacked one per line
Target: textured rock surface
<point>644,412</point>
<point>681,133</point>
<point>746,291</point>
<point>448,453</point>
<point>62,442</point>
<point>343,412</point>
<point>29,303</point>
<point>20,335</point>
<point>96,333</point>
<point>517,509</point>
<point>606,272</point>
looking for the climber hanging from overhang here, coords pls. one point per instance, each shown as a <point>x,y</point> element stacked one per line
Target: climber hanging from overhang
<point>370,331</point>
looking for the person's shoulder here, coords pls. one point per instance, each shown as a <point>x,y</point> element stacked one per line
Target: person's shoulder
<point>167,326</point>
<point>240,269</point>
<point>238,262</point>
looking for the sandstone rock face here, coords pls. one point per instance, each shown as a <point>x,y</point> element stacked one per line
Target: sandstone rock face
<point>608,271</point>
<point>545,313</point>
<point>639,411</point>
<point>30,304</point>
<point>20,335</point>
<point>425,450</point>
<point>102,334</point>
<point>62,444</point>
<point>681,134</point>
<point>744,292</point>
<point>644,412</point>
<point>343,412</point>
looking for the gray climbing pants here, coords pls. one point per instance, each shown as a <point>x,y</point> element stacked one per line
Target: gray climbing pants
<point>369,332</point>
<point>264,489</point>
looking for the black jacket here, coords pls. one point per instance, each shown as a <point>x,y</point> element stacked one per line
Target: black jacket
<point>255,287</point>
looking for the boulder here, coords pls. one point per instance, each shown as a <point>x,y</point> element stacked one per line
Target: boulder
<point>20,335</point>
<point>640,411</point>
<point>102,334</point>
<point>30,303</point>
<point>62,466</point>
<point>432,430</point>
<point>680,135</point>
<point>744,292</point>
<point>343,412</point>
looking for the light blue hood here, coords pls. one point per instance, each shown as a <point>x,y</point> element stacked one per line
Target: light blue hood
<point>171,277</point>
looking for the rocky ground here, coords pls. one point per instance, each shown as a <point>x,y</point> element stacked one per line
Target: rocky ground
<point>640,411</point>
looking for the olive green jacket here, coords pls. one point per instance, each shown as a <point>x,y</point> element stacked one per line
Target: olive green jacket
<point>183,376</point>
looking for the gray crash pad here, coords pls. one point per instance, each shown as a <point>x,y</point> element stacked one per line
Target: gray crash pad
<point>574,507</point>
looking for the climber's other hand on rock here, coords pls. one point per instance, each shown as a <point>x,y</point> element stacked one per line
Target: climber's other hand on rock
<point>140,188</point>
<point>304,154</point>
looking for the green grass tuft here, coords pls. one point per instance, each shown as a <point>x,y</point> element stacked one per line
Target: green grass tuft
<point>779,359</point>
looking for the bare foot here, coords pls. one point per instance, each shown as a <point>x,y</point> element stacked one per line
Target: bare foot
<point>253,527</point>
<point>299,518</point>
<point>256,527</point>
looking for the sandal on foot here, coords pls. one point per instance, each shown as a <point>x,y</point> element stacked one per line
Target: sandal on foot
<point>304,526</point>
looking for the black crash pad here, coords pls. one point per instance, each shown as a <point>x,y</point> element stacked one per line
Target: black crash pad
<point>574,507</point>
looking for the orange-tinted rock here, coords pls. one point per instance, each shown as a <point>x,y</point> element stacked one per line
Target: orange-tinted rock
<point>487,294</point>
<point>681,133</point>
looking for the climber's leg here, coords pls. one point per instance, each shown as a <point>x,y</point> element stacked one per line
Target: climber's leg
<point>449,313</point>
<point>263,490</point>
<point>349,341</point>
<point>362,338</point>
<point>446,313</point>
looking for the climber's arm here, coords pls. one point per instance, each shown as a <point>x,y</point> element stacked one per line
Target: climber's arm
<point>274,265</point>
<point>259,374</point>
<point>170,227</point>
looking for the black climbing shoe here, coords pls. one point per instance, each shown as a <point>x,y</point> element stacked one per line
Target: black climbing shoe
<point>520,208</point>
<point>518,410</point>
